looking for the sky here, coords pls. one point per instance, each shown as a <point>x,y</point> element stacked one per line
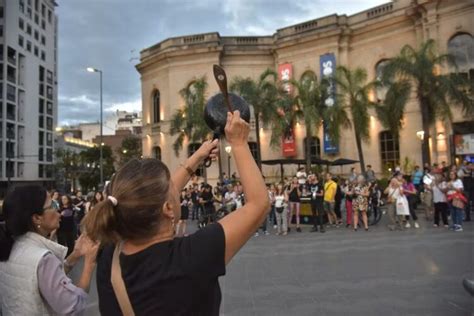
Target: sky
<point>109,35</point>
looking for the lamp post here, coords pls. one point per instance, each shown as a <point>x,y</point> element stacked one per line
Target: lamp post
<point>91,69</point>
<point>228,150</point>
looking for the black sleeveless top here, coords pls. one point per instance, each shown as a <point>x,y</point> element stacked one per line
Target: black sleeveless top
<point>174,277</point>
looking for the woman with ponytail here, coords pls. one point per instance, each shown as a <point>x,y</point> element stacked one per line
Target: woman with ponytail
<point>145,269</point>
<point>33,268</point>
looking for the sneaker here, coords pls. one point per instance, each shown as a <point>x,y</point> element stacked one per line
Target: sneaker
<point>408,225</point>
<point>314,229</point>
<point>285,233</point>
<point>416,225</point>
<point>458,229</point>
<point>436,226</point>
<point>257,234</point>
<point>275,226</point>
<point>322,230</point>
<point>298,229</point>
<point>266,233</point>
<point>446,226</point>
<point>278,233</point>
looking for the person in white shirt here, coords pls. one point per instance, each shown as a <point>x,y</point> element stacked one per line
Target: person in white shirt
<point>301,175</point>
<point>457,200</point>
<point>393,192</point>
<point>428,180</point>
<point>439,189</point>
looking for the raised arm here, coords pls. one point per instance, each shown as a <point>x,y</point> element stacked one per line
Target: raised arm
<point>182,175</point>
<point>241,224</point>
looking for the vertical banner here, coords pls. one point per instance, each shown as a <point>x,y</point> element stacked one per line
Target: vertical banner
<point>285,72</point>
<point>289,144</point>
<point>327,66</point>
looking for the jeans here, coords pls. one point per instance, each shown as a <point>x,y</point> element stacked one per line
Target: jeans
<point>272,216</point>
<point>456,215</point>
<point>412,206</point>
<point>282,220</point>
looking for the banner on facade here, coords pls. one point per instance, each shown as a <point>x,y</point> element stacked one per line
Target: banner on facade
<point>285,73</point>
<point>289,144</point>
<point>327,66</point>
<point>464,144</point>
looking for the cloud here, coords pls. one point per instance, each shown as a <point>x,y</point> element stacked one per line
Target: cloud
<point>109,34</point>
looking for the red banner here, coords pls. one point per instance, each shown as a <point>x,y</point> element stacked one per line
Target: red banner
<point>285,72</point>
<point>288,145</point>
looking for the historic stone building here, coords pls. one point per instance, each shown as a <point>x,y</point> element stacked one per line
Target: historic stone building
<point>365,39</point>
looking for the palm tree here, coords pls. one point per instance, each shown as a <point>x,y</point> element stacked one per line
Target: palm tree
<point>354,94</point>
<point>261,94</point>
<point>435,93</point>
<point>189,122</point>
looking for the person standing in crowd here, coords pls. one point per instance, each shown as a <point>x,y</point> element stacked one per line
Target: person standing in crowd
<point>88,204</point>
<point>417,179</point>
<point>271,196</point>
<point>67,231</point>
<point>338,202</point>
<point>315,188</point>
<point>375,199</point>
<point>185,203</point>
<point>196,205</point>
<point>466,174</point>
<point>33,268</point>
<point>56,200</point>
<point>457,200</point>
<point>360,202</point>
<point>218,199</point>
<point>301,176</point>
<point>157,269</point>
<point>428,180</point>
<point>348,192</point>
<point>439,189</point>
<point>281,210</point>
<point>410,192</point>
<point>207,201</point>
<point>230,199</point>
<point>294,203</point>
<point>79,209</point>
<point>330,188</point>
<point>370,174</point>
<point>393,192</point>
<point>98,197</point>
<point>353,175</point>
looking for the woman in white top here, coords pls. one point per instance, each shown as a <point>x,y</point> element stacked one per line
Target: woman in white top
<point>394,191</point>
<point>439,189</point>
<point>457,200</point>
<point>281,210</point>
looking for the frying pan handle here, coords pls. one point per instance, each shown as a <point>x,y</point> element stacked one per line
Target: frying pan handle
<point>208,160</point>
<point>221,78</point>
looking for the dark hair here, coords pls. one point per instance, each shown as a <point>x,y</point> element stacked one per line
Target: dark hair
<point>69,201</point>
<point>19,205</point>
<point>141,188</point>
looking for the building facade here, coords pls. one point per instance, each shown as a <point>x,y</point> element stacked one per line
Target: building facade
<point>28,91</point>
<point>365,39</point>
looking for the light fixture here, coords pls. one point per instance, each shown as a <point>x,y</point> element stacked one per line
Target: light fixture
<point>228,149</point>
<point>420,135</point>
<point>102,144</point>
<point>124,151</point>
<point>91,69</point>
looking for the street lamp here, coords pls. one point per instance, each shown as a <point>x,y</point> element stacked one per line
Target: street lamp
<point>228,150</point>
<point>91,69</point>
<point>420,135</point>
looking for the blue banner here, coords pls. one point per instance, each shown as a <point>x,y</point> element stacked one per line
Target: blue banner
<point>327,66</point>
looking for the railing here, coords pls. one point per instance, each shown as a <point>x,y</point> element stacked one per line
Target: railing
<point>380,10</point>
<point>193,39</point>
<point>306,26</point>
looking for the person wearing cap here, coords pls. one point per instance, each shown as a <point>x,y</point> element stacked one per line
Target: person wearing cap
<point>33,268</point>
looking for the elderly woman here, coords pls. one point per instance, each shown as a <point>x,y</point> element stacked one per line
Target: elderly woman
<point>33,268</point>
<point>146,270</point>
<point>360,202</point>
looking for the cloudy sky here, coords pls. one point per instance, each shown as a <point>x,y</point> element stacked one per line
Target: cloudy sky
<point>109,34</point>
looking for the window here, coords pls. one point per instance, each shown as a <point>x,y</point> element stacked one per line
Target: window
<point>43,24</point>
<point>21,23</point>
<point>156,106</point>
<point>461,46</point>
<point>49,123</point>
<point>253,149</point>
<point>37,19</point>
<point>41,121</point>
<point>380,91</point>
<point>49,108</point>
<point>28,29</point>
<point>20,40</point>
<point>29,13</point>
<point>22,6</point>
<point>314,147</point>
<point>41,106</point>
<point>40,168</point>
<point>43,40</point>
<point>49,139</point>
<point>41,138</point>
<point>389,150</point>
<point>36,51</point>
<point>41,89</point>
<point>11,110</point>
<point>192,148</point>
<point>156,152</point>
<point>308,75</point>
<point>49,92</point>
<point>41,73</point>
<point>43,10</point>
<point>11,93</point>
<point>49,77</point>
<point>50,16</point>
<point>43,55</point>
<point>1,13</point>
<point>49,154</point>
<point>36,35</point>
<point>28,46</point>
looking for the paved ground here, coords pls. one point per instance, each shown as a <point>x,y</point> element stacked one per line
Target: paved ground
<point>341,272</point>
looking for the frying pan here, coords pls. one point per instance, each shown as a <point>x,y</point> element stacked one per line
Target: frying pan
<point>215,112</point>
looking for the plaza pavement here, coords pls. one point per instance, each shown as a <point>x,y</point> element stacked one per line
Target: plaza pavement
<point>341,272</point>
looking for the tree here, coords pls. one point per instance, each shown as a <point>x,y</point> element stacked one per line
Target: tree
<point>68,168</point>
<point>90,178</point>
<point>189,122</point>
<point>131,148</point>
<point>354,94</point>
<point>435,92</point>
<point>261,95</point>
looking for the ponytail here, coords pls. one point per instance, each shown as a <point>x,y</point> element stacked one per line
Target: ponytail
<point>100,222</point>
<point>6,243</point>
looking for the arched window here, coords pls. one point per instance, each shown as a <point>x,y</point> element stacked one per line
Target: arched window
<point>156,152</point>
<point>156,106</point>
<point>314,148</point>
<point>192,148</point>
<point>380,91</point>
<point>389,150</point>
<point>308,75</point>
<point>253,149</point>
<point>461,46</point>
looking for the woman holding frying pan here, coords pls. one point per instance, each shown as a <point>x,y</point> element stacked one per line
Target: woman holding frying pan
<point>148,271</point>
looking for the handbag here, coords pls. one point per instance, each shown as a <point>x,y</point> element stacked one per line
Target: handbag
<point>119,285</point>
<point>402,206</point>
<point>279,209</point>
